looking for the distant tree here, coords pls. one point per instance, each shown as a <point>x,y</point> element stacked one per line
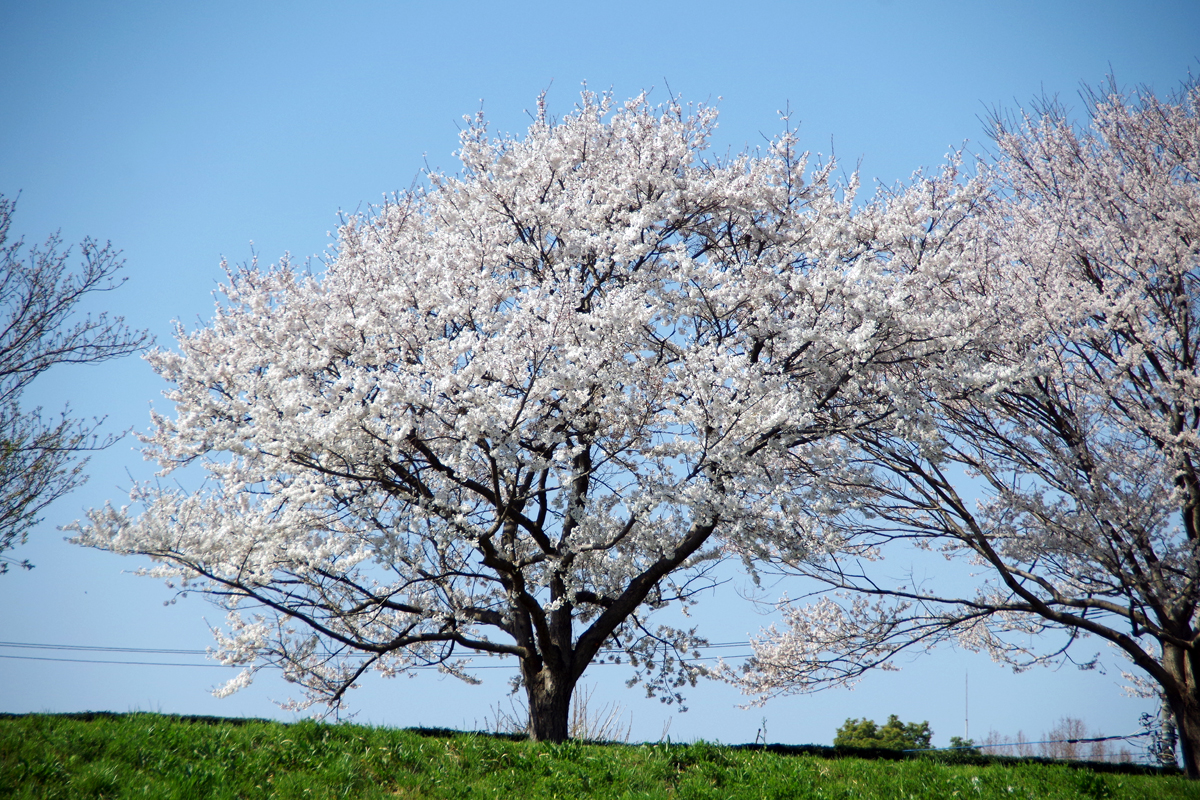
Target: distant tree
<point>40,457</point>
<point>1100,751</point>
<point>523,408</point>
<point>1074,419</point>
<point>996,744</point>
<point>892,735</point>
<point>1065,740</point>
<point>964,745</point>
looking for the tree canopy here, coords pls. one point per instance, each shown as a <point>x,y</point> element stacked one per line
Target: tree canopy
<point>523,408</point>
<point>529,404</point>
<point>1068,479</point>
<point>891,735</point>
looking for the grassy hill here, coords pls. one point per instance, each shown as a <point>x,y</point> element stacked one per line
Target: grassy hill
<point>161,756</point>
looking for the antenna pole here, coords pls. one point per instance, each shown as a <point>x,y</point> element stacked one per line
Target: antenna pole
<point>967,704</point>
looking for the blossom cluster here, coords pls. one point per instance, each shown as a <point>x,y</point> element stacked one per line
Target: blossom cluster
<point>1057,461</point>
<point>527,405</point>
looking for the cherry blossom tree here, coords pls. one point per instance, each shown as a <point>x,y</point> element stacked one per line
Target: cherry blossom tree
<point>1058,458</point>
<point>40,327</point>
<point>523,408</point>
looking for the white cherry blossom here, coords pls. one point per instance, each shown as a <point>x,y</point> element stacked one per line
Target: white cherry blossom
<point>527,406</point>
<point>1074,406</point>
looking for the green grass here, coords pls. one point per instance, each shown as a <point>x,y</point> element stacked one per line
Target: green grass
<point>153,755</point>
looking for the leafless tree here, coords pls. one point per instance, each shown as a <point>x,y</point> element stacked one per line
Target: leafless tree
<point>40,326</point>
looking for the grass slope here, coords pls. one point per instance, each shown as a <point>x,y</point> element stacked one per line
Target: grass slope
<point>153,755</point>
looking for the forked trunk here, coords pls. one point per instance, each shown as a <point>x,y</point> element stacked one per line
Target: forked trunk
<point>549,706</point>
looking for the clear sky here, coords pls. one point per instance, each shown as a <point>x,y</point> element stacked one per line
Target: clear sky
<point>185,132</point>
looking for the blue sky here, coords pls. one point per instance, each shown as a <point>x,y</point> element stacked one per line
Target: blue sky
<point>184,132</point>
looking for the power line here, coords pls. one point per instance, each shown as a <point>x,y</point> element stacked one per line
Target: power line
<point>104,661</point>
<point>1082,740</point>
<point>107,649</point>
<point>230,666</point>
<point>91,648</point>
<point>169,651</point>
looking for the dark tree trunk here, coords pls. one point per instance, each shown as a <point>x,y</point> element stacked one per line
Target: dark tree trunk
<point>1189,745</point>
<point>1183,696</point>
<point>1187,724</point>
<point>549,697</point>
